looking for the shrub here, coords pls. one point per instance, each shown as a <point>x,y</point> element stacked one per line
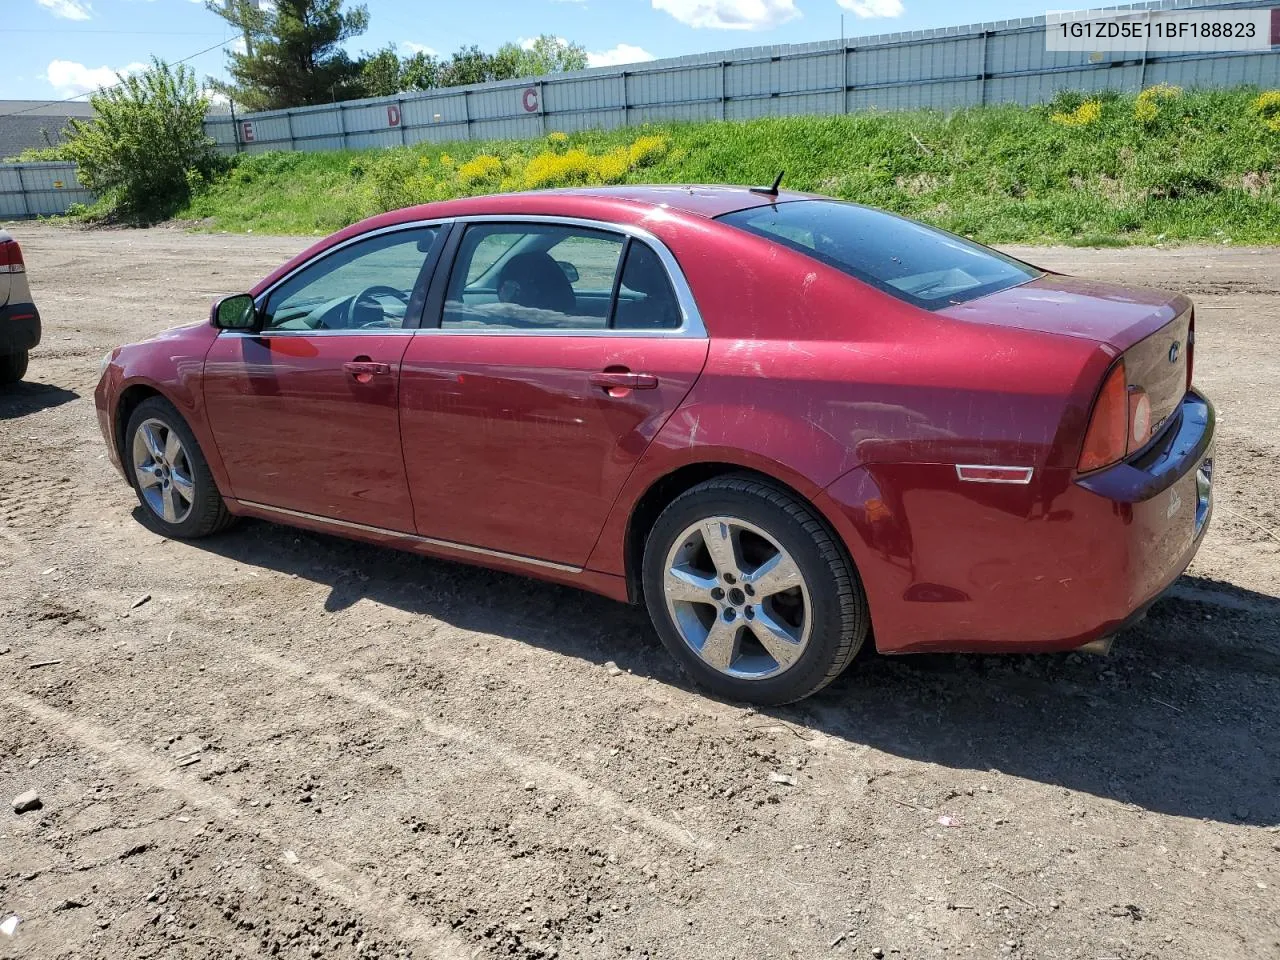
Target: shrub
<point>145,151</point>
<point>614,166</point>
<point>1147,107</point>
<point>568,169</point>
<point>1267,107</point>
<point>1082,116</point>
<point>479,169</point>
<point>647,150</point>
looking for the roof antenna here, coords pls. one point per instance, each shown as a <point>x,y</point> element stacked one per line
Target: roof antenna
<point>771,191</point>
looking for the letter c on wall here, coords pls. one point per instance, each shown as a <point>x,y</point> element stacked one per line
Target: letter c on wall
<point>530,100</point>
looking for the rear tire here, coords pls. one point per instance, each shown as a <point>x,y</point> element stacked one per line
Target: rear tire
<point>13,366</point>
<point>170,474</point>
<point>751,592</point>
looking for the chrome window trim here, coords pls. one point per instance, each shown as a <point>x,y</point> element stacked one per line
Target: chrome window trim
<point>261,299</point>
<point>691,325</point>
<point>415,538</point>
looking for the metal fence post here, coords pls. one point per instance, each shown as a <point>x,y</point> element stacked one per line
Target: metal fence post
<point>626,99</point>
<point>22,192</point>
<point>466,110</point>
<point>342,126</point>
<point>288,122</point>
<point>724,89</point>
<point>982,78</point>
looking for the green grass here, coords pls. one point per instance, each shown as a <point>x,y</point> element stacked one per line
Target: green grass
<point>1206,168</point>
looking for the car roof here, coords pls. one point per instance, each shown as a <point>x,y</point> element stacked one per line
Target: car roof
<point>703,200</point>
<point>625,204</point>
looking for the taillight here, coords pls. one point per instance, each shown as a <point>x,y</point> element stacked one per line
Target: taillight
<point>11,258</point>
<point>1107,438</point>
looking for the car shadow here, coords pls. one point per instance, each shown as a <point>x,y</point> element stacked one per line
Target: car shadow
<point>23,398</point>
<point>1179,719</point>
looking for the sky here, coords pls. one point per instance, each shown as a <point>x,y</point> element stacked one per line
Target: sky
<point>56,49</point>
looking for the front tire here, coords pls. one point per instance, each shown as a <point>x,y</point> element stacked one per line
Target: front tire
<point>170,474</point>
<point>750,591</point>
<point>13,366</point>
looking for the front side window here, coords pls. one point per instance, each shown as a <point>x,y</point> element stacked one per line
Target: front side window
<point>368,285</point>
<point>529,276</point>
<point>924,266</point>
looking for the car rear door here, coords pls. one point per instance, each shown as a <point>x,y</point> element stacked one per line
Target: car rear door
<point>551,355</point>
<point>305,410</point>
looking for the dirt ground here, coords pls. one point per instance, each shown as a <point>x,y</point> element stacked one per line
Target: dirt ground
<point>303,747</point>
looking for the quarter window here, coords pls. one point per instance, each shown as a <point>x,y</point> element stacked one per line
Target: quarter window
<point>645,298</point>
<point>371,285</point>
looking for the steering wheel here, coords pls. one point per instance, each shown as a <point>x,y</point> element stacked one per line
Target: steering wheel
<point>369,297</point>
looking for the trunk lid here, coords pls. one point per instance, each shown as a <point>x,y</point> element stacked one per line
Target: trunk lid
<point>1151,328</point>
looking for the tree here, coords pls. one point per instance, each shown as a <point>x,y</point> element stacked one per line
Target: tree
<point>467,65</point>
<point>381,73</point>
<point>293,53</point>
<point>546,54</point>
<point>146,145</point>
<point>420,72</point>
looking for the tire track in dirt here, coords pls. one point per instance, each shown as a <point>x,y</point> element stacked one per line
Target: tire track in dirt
<point>330,877</point>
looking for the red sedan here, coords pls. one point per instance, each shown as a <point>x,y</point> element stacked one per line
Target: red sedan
<point>782,422</point>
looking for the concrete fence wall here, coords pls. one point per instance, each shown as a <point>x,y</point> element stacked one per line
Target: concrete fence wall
<point>944,69</point>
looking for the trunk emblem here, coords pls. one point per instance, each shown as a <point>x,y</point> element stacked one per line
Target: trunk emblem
<point>1173,352</point>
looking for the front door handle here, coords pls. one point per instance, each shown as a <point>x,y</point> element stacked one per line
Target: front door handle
<point>362,369</point>
<point>624,380</point>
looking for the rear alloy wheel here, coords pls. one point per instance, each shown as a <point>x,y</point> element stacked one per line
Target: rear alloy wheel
<point>13,366</point>
<point>170,475</point>
<point>751,593</point>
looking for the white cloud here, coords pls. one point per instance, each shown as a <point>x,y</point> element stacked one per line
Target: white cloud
<point>73,79</point>
<point>873,8</point>
<point>68,9</point>
<point>731,14</point>
<point>622,53</point>
<point>409,48</point>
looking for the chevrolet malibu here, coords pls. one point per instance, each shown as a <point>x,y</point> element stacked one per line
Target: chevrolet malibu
<point>783,423</point>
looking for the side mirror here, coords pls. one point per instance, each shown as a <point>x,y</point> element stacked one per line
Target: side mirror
<point>570,271</point>
<point>237,312</point>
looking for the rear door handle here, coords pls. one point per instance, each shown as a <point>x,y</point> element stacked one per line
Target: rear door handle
<point>624,381</point>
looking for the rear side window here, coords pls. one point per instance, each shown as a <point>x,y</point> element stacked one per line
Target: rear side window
<point>924,266</point>
<point>524,276</point>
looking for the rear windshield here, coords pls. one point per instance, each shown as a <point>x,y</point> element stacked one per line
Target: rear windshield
<point>921,265</point>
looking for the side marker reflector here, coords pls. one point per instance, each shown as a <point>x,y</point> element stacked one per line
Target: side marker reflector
<point>976,473</point>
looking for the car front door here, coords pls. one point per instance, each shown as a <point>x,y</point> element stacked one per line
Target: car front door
<point>304,410</point>
<point>552,357</point>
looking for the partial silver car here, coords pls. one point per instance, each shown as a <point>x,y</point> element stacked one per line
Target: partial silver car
<point>19,318</point>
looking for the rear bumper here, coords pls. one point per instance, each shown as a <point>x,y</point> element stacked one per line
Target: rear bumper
<point>1050,566</point>
<point>19,327</point>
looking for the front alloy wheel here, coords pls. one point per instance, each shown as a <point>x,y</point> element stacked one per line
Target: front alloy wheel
<point>163,470</point>
<point>178,495</point>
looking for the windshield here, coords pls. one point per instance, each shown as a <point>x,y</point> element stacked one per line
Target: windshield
<point>921,265</point>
